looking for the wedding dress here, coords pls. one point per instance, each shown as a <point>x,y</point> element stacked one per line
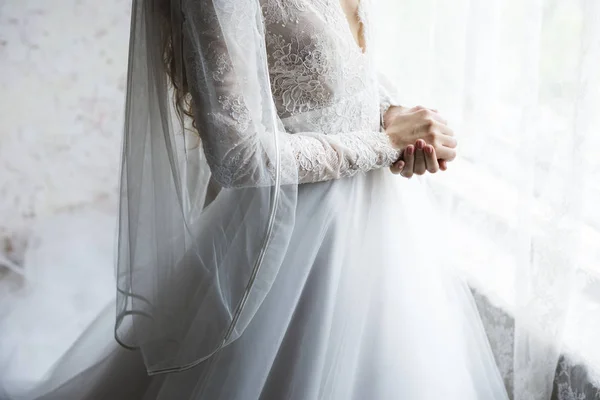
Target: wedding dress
<point>362,304</point>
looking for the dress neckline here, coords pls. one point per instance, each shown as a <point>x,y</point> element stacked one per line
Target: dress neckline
<point>362,30</point>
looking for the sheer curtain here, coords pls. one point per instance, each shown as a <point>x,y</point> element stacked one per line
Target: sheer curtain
<point>520,82</point>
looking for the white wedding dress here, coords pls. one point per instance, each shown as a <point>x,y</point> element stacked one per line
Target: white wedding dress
<point>364,306</point>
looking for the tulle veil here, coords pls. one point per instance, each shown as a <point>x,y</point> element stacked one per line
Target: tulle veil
<point>191,272</point>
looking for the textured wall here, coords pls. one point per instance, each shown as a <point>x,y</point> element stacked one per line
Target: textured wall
<point>63,67</point>
<point>62,87</point>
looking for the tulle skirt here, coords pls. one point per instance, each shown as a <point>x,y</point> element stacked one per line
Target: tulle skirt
<point>365,306</point>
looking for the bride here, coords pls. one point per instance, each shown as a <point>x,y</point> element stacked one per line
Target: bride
<point>265,249</point>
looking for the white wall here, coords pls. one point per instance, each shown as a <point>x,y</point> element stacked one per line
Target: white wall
<point>62,86</point>
<point>62,79</point>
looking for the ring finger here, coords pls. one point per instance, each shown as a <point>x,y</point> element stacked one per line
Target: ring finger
<point>420,168</point>
<point>431,159</point>
<point>409,161</point>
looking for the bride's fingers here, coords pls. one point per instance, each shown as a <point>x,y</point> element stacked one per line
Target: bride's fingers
<point>447,132</point>
<point>409,161</point>
<point>428,114</point>
<point>431,159</point>
<point>420,167</point>
<point>417,108</point>
<point>443,164</point>
<point>445,153</point>
<point>397,167</point>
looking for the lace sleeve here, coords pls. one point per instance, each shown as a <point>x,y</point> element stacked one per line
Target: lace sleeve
<point>388,94</point>
<point>230,136</point>
<point>324,157</point>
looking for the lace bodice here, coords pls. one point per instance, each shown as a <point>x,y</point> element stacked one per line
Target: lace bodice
<point>326,91</point>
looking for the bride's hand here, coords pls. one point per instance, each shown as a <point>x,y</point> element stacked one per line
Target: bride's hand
<point>406,126</point>
<point>418,159</point>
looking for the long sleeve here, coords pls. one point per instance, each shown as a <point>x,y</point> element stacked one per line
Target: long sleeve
<point>324,157</point>
<point>388,94</point>
<point>230,129</point>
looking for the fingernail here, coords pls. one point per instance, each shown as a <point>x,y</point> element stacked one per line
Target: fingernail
<point>429,150</point>
<point>420,145</point>
<point>400,165</point>
<point>410,150</point>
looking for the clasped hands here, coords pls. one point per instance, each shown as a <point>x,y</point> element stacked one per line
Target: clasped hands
<point>423,136</point>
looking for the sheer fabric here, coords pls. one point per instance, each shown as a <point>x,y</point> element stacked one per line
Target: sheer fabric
<point>164,187</point>
<point>520,83</point>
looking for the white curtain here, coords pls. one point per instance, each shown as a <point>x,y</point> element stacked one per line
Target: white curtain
<point>520,82</point>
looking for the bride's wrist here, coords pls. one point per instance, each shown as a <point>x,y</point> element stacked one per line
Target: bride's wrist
<point>384,107</point>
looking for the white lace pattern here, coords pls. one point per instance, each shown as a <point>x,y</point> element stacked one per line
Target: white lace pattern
<point>325,90</point>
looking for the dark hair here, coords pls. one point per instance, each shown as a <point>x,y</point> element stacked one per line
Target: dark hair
<point>176,73</point>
